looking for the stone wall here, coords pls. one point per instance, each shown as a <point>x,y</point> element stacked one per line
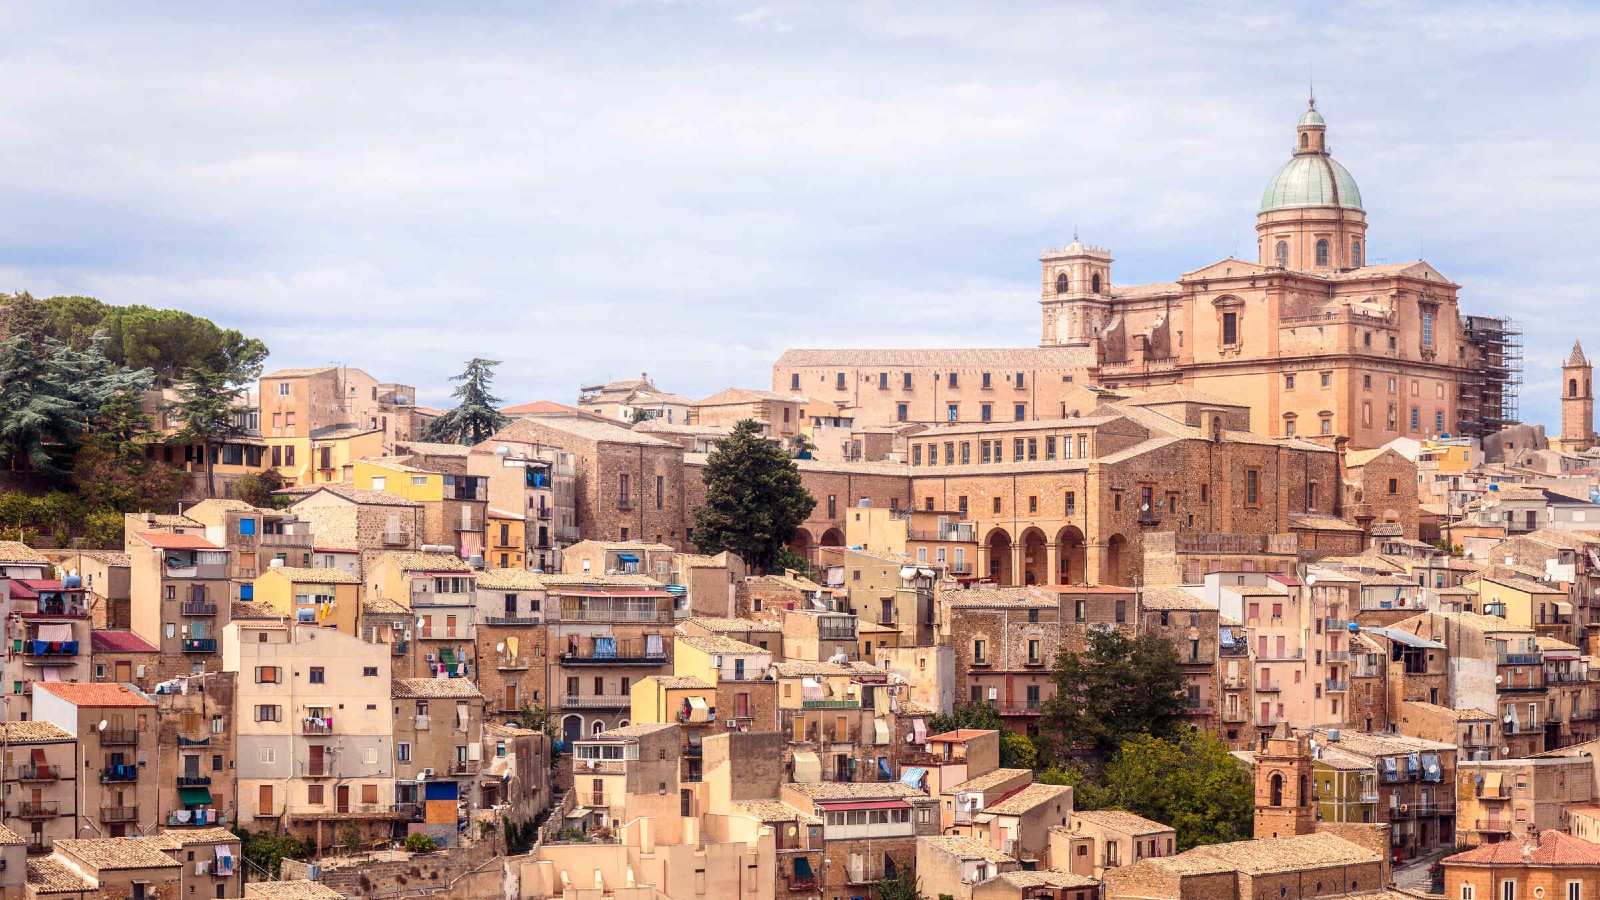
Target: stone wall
<point>396,873</point>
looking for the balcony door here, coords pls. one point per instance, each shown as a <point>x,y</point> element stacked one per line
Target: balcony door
<point>343,798</point>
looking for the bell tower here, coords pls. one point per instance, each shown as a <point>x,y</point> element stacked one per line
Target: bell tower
<point>1077,294</point>
<point>1283,785</point>
<point>1577,401</point>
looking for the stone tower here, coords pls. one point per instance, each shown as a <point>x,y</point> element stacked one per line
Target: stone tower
<point>1283,785</point>
<point>1077,294</point>
<point>1577,401</point>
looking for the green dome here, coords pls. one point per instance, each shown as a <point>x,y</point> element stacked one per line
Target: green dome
<point>1312,117</point>
<point>1313,179</point>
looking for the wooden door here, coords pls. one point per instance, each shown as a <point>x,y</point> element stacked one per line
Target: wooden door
<point>344,798</point>
<point>124,671</point>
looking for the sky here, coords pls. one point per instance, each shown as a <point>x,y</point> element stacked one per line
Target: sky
<point>588,191</point>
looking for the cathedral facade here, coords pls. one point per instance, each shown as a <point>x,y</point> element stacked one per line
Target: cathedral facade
<point>1316,341</point>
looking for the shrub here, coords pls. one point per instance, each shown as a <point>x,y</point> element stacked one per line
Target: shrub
<point>417,842</point>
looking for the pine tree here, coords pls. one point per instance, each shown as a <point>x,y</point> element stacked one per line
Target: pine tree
<point>211,406</point>
<point>754,498</point>
<point>475,419</point>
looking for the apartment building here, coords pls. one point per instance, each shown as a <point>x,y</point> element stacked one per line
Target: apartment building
<point>47,626</point>
<point>511,640</point>
<point>315,729</point>
<point>839,718</point>
<point>1495,666</point>
<point>115,728</point>
<point>440,590</point>
<point>1191,625</point>
<point>327,597</point>
<point>536,481</point>
<point>1514,799</point>
<point>124,657</point>
<point>196,763</point>
<point>1097,840</point>
<point>1415,783</point>
<point>603,634</point>
<point>438,751</point>
<point>1005,640</point>
<point>345,517</point>
<point>182,591</point>
<point>41,782</point>
<point>1546,864</point>
<point>890,591</point>
<point>210,858</point>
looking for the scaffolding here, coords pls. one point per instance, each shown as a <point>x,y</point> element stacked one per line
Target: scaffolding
<point>1487,400</point>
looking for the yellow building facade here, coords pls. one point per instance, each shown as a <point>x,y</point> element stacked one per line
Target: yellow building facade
<point>327,597</point>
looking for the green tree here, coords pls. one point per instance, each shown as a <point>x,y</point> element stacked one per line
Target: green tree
<point>902,885</point>
<point>1117,688</point>
<point>1193,784</point>
<point>1017,751</point>
<point>266,852</point>
<point>212,405</point>
<point>257,489</point>
<point>534,717</point>
<point>475,418</point>
<point>754,498</point>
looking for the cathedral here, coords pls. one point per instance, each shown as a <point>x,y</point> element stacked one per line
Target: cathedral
<point>1312,336</point>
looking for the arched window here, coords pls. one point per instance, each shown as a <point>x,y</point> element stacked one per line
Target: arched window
<point>1061,283</point>
<point>598,726</point>
<point>1305,140</point>
<point>1572,387</point>
<point>1355,254</point>
<point>1322,252</point>
<point>1094,283</point>
<point>1283,254</point>
<point>1277,789</point>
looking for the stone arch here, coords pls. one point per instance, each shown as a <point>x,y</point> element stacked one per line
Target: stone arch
<point>1035,557</point>
<point>1116,568</point>
<point>1276,789</point>
<point>597,726</point>
<point>1072,551</point>
<point>802,546</point>
<point>571,729</point>
<point>998,543</point>
<point>833,537</point>
<point>1063,284</point>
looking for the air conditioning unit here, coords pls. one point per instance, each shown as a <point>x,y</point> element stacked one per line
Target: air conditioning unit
<point>731,723</point>
<point>425,773</point>
<point>429,657</point>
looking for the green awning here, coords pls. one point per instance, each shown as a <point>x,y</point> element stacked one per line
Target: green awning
<point>194,796</point>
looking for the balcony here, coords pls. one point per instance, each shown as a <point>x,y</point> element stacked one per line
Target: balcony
<point>1235,715</point>
<point>1338,656</point>
<point>40,809</point>
<point>194,608</point>
<point>316,725</point>
<point>56,606</point>
<point>194,780</point>
<point>1286,653</point>
<point>619,659</point>
<point>1018,708</point>
<point>804,885</point>
<point>1269,687</point>
<point>39,843</point>
<point>1492,826</point>
<point>114,737</point>
<point>612,615</point>
<point>286,540</point>
<point>1336,685</point>
<point>1521,659</point>
<point>199,645</point>
<point>596,701</point>
<point>47,649</point>
<point>1508,688</point>
<point>1525,728</point>
<point>119,813</point>
<point>1395,813</point>
<point>1584,715</point>
<point>830,704</point>
<point>119,774</point>
<point>1433,809</point>
<point>38,773</point>
<point>1332,625</point>
<point>512,663</point>
<point>513,620</point>
<point>396,539</point>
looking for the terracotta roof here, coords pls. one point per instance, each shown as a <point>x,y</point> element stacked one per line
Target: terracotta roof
<point>1272,855</point>
<point>176,541</point>
<point>360,496</point>
<point>34,731</point>
<point>48,875</point>
<point>174,521</point>
<point>993,597</point>
<point>987,780</point>
<point>580,425</point>
<point>116,853</point>
<point>493,513</point>
<point>680,682</point>
<point>94,695</point>
<point>728,625</point>
<point>541,406</point>
<point>823,791</point>
<point>799,667</point>
<point>716,643</point>
<point>434,689</point>
<point>511,580</point>
<point>120,642</point>
<point>432,448</point>
<point>1031,797</point>
<point>185,837</point>
<point>314,576</point>
<point>1179,394</point>
<point>1551,848</point>
<point>297,373</point>
<point>255,609</point>
<point>735,395</point>
<point>415,561</point>
<point>1455,715</point>
<point>1173,598</point>
<point>290,890</point>
<point>773,811</point>
<point>109,557</point>
<point>9,837</point>
<point>1121,820</point>
<point>382,606</point>
<point>629,732</point>
<point>1046,878</point>
<point>962,847</point>
<point>1321,523</point>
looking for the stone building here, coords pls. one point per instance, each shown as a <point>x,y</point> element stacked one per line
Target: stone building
<point>1005,642</point>
<point>1547,864</point>
<point>116,732</point>
<point>1346,863</point>
<point>196,761</point>
<point>1310,336</point>
<point>182,597</point>
<point>1577,402</point>
<point>43,775</point>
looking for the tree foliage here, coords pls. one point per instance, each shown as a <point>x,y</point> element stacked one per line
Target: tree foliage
<point>1017,751</point>
<point>166,341</point>
<point>754,498</point>
<point>211,405</point>
<point>902,886</point>
<point>257,489</point>
<point>476,417</point>
<point>1119,687</point>
<point>266,852</point>
<point>1192,784</point>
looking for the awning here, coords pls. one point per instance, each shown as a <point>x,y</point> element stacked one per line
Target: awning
<point>807,768</point>
<point>811,690</point>
<point>919,731</point>
<point>194,796</point>
<point>52,633</point>
<point>884,772</point>
<point>698,710</point>
<point>925,573</point>
<point>880,731</point>
<point>1561,606</point>
<point>591,593</point>
<point>1401,636</point>
<point>908,572</point>
<point>1491,782</point>
<point>913,776</point>
<point>52,673</point>
<point>627,557</point>
<point>802,868</point>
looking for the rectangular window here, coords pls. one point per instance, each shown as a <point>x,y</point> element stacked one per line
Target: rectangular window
<point>1288,382</point>
<point>268,674</point>
<point>1427,328</point>
<point>949,453</point>
<point>1072,503</point>
<point>1122,611</point>
<point>902,412</point>
<point>966,452</point>
<point>1416,418</point>
<point>1083,446</point>
<point>983,448</point>
<point>661,491</point>
<point>997,506</point>
<point>1016,450</point>
<point>916,454</point>
<point>986,412</point>
<point>954,380</point>
<point>268,712</point>
<point>1230,328</point>
<point>1033,504</point>
<point>318,675</point>
<point>839,382</point>
<point>1050,447</point>
<point>1327,379</point>
<point>961,505</point>
<point>794,381</point>
<point>906,381</point>
<point>1438,421</point>
<point>1020,412</point>
<point>1033,449</point>
<point>953,412</point>
<point>986,382</point>
<point>979,652</point>
<point>1252,486</point>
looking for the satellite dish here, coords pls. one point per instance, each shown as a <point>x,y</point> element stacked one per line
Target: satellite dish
<point>1311,579</point>
<point>1144,507</point>
<point>420,622</point>
<point>102,725</point>
<point>1499,678</point>
<point>500,647</point>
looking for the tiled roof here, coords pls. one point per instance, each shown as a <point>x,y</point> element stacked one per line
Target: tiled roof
<point>434,689</point>
<point>416,561</point>
<point>382,606</point>
<point>540,406</point>
<point>798,668</point>
<point>170,521</point>
<point>1173,598</point>
<point>1121,820</point>
<point>1321,523</point>
<point>1046,878</point>
<point>974,358</point>
<point>297,373</point>
<point>745,395</point>
<point>1273,855</point>
<point>48,875</point>
<point>580,425</point>
<point>9,837</point>
<point>94,695</point>
<point>314,576</point>
<point>510,580</point>
<point>680,682</point>
<point>116,853</point>
<point>1031,797</point>
<point>255,609</point>
<point>1490,624</point>
<point>341,432</point>
<point>185,837</point>
<point>355,495</point>
<point>120,642</point>
<point>962,847</point>
<point>1550,848</point>
<point>773,811</point>
<point>1179,394</point>
<point>34,731</point>
<point>823,791</point>
<point>1365,743</point>
<point>300,889</point>
<point>1456,715</point>
<point>987,780</point>
<point>176,541</point>
<point>716,643</point>
<point>109,557</point>
<point>992,597</point>
<point>432,448</point>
